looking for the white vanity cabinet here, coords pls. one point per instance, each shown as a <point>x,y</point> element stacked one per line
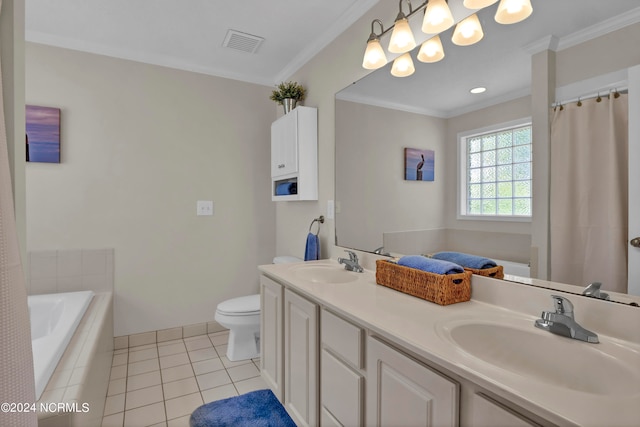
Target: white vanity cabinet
<point>342,375</point>
<point>294,153</point>
<point>401,391</point>
<point>301,370</point>
<point>329,369</point>
<point>289,350</point>
<point>271,335</point>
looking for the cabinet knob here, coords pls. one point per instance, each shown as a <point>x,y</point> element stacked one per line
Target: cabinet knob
<point>280,166</point>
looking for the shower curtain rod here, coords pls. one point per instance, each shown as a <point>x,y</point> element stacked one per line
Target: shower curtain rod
<point>602,92</point>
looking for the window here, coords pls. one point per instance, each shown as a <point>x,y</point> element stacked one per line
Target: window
<point>496,172</point>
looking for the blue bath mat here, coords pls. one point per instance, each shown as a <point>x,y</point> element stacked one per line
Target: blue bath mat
<point>259,408</point>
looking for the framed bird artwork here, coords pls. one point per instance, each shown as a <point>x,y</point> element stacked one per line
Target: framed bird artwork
<point>418,164</point>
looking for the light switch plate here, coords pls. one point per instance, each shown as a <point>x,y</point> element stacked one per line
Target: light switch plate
<point>330,209</point>
<point>204,208</point>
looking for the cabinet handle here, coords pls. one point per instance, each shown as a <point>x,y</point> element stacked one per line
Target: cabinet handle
<point>281,166</point>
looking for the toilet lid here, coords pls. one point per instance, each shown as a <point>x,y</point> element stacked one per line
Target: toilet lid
<point>241,306</point>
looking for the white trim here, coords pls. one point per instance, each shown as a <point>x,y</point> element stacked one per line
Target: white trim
<point>348,18</point>
<point>603,83</point>
<point>462,171</point>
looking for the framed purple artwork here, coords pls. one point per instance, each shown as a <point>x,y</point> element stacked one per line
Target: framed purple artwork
<point>418,164</point>
<point>43,134</point>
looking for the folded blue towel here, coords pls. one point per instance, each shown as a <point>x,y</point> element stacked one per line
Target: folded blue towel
<point>286,188</point>
<point>312,249</point>
<point>465,260</point>
<point>429,264</point>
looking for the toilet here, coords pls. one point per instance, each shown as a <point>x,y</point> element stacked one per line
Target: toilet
<point>242,317</point>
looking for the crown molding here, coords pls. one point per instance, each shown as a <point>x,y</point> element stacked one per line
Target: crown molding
<point>355,12</point>
<point>607,26</point>
<point>137,56</point>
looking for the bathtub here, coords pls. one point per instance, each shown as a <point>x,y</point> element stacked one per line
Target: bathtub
<point>54,319</point>
<point>514,268</point>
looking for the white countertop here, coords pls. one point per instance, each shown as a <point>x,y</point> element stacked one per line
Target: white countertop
<point>416,325</point>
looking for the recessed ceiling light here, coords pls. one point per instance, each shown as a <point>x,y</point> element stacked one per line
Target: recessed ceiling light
<point>479,89</point>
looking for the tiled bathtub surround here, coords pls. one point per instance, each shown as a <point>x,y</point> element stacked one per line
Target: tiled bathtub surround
<point>82,375</point>
<point>70,270</point>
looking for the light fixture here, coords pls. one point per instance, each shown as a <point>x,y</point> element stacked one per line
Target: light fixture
<point>468,31</point>
<point>402,38</point>
<point>374,56</point>
<point>403,66</point>
<point>512,11</point>
<point>431,50</point>
<point>478,89</point>
<point>437,17</point>
<point>478,4</point>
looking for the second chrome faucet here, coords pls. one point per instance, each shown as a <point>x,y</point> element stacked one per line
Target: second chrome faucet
<point>561,322</point>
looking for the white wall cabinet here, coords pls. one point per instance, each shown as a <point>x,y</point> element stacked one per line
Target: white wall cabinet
<point>294,153</point>
<point>301,359</point>
<point>271,333</point>
<point>401,391</point>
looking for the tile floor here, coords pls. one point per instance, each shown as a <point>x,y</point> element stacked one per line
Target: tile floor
<point>161,384</point>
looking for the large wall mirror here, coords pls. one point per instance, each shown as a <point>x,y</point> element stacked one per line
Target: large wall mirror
<point>380,115</point>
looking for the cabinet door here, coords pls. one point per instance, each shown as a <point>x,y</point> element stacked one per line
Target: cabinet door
<point>403,392</point>
<point>271,329</point>
<point>342,393</point>
<point>284,145</point>
<point>301,359</point>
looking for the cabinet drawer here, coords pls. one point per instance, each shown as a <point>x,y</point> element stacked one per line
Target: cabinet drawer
<point>343,338</point>
<point>342,393</point>
<point>487,413</point>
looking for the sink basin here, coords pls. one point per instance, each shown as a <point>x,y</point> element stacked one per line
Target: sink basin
<point>608,368</point>
<point>325,274</point>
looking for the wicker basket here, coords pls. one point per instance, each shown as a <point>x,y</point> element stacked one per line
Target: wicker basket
<point>495,272</point>
<point>443,289</point>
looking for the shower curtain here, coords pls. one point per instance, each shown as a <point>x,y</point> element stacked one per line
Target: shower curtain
<point>588,195</point>
<point>16,360</point>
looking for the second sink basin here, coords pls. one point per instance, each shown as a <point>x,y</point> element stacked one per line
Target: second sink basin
<point>515,345</point>
<point>325,274</point>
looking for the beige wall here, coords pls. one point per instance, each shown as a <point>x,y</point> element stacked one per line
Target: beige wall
<point>140,145</point>
<point>369,158</point>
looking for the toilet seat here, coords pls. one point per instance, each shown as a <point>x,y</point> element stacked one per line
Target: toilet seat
<point>242,306</point>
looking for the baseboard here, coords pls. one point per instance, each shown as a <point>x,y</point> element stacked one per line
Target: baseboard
<point>153,337</point>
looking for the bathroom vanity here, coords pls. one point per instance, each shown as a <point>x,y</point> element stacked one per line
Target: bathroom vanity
<point>337,349</point>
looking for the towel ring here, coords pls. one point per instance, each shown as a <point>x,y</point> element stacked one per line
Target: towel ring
<point>319,220</point>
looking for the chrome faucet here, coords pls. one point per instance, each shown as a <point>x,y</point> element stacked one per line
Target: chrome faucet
<point>351,264</point>
<point>561,322</point>
<point>381,251</point>
<point>593,290</point>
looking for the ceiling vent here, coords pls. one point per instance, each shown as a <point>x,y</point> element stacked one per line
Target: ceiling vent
<point>242,41</point>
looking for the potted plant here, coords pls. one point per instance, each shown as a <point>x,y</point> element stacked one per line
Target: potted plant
<point>288,94</point>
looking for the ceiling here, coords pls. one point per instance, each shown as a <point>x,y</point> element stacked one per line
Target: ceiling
<point>189,35</point>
